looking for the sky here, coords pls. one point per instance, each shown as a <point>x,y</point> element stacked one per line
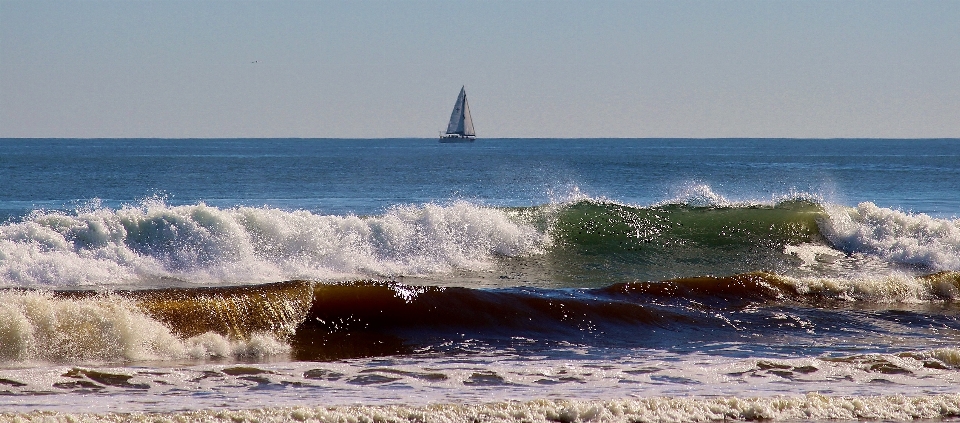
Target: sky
<point>384,69</point>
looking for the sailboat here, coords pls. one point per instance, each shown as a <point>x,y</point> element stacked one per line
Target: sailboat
<point>460,128</point>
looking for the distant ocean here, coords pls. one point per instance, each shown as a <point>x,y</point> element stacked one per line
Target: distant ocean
<point>503,280</point>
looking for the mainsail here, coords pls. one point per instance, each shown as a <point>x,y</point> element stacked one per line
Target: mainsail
<point>460,121</point>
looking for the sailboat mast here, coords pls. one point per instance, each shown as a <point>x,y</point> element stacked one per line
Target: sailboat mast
<point>467,120</point>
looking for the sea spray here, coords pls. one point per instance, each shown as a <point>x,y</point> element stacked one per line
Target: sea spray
<point>40,327</point>
<point>200,244</point>
<point>585,242</point>
<point>907,238</point>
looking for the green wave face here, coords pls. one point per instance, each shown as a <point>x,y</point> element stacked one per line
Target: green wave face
<point>600,243</point>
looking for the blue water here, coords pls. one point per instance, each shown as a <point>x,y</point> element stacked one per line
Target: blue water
<point>357,176</point>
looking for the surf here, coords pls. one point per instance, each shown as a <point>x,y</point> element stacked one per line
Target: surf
<point>810,407</point>
<point>579,242</point>
<point>329,321</point>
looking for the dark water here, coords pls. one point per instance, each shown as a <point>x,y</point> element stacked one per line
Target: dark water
<point>178,274</point>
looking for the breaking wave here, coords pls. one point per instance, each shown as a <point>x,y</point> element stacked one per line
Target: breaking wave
<point>41,327</point>
<point>207,245</point>
<point>329,321</point>
<point>912,239</point>
<point>583,242</point>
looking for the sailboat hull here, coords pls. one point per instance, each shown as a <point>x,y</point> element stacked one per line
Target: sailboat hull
<point>457,138</point>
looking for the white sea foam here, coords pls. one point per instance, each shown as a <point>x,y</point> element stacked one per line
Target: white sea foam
<point>810,407</point>
<point>896,236</point>
<point>483,381</point>
<point>37,327</point>
<point>889,287</point>
<point>199,243</point>
<point>813,254</point>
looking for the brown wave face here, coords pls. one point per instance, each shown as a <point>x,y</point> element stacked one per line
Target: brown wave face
<point>757,287</point>
<point>381,318</point>
<point>235,311</point>
<point>369,318</point>
<point>944,284</point>
<point>372,318</point>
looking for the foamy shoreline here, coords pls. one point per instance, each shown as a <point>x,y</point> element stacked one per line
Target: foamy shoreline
<point>810,407</point>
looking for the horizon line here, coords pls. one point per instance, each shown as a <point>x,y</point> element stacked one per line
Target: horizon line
<point>485,138</point>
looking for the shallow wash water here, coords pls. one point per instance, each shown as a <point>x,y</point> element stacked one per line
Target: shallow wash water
<point>512,279</point>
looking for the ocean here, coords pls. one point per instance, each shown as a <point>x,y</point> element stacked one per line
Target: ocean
<point>362,280</point>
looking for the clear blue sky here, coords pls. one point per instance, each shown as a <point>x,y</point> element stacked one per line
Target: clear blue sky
<point>531,68</point>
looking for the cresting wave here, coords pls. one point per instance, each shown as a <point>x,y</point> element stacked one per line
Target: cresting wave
<point>894,235</point>
<point>580,243</point>
<point>812,407</point>
<point>58,327</point>
<point>154,243</point>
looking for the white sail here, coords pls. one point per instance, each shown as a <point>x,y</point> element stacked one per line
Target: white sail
<point>467,120</point>
<point>461,123</point>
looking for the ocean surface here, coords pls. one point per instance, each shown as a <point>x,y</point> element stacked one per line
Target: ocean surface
<point>502,280</point>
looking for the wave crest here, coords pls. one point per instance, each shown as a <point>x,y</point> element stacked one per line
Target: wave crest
<point>39,326</point>
<point>911,239</point>
<point>248,245</point>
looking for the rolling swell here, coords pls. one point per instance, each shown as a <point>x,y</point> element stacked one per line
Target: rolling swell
<point>357,319</point>
<point>329,321</point>
<point>374,318</point>
<point>325,321</point>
